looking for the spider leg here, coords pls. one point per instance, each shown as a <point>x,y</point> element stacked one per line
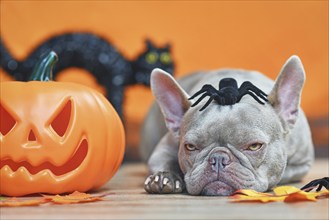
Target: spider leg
<point>260,95</point>
<point>197,93</point>
<point>253,88</point>
<point>248,86</point>
<point>324,182</point>
<point>205,88</point>
<point>308,186</point>
<point>319,187</point>
<point>200,99</point>
<point>251,94</point>
<point>208,90</point>
<point>207,103</point>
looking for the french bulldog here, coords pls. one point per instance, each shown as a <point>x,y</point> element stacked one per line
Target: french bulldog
<point>214,152</point>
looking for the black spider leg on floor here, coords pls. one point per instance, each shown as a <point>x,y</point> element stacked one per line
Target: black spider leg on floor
<point>252,90</point>
<point>208,90</point>
<point>324,182</point>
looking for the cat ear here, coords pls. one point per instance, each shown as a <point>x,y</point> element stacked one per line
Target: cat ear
<point>286,94</point>
<point>172,99</point>
<point>149,44</point>
<point>167,46</point>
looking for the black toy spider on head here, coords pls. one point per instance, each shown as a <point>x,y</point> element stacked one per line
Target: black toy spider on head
<point>228,93</point>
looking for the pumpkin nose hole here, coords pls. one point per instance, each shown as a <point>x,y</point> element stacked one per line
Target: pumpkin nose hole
<point>32,136</point>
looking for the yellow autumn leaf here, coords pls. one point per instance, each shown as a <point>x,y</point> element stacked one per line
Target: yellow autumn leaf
<point>250,192</point>
<point>281,193</point>
<point>285,190</point>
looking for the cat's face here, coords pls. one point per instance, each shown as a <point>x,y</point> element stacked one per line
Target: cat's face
<point>153,57</point>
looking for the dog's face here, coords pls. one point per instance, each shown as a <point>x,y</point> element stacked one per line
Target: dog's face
<point>226,148</point>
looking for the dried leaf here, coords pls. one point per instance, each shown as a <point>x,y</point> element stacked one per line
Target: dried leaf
<point>250,192</point>
<point>261,199</point>
<point>75,197</point>
<point>300,196</point>
<point>14,202</point>
<point>285,190</point>
<point>248,195</point>
<point>281,193</point>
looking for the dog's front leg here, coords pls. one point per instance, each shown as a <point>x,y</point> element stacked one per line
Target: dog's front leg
<point>166,176</point>
<point>295,172</point>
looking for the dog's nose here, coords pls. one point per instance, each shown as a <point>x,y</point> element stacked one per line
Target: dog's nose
<point>219,161</point>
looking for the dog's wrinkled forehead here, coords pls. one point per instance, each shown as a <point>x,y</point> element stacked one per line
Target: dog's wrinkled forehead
<point>247,120</point>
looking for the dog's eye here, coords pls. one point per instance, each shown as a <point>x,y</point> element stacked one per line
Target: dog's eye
<point>255,146</point>
<point>190,147</point>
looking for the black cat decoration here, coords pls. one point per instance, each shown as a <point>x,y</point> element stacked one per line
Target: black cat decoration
<point>97,56</point>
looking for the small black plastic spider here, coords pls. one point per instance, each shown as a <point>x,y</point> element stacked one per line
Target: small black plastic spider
<point>228,93</point>
<point>324,182</point>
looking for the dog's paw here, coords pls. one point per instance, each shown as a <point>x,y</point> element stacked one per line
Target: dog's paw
<point>164,183</point>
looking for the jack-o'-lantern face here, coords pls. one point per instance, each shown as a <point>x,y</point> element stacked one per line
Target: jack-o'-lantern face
<point>56,137</point>
<point>27,136</point>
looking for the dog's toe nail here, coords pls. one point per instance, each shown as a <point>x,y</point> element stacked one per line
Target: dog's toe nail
<point>156,179</point>
<point>165,181</point>
<point>147,181</point>
<point>147,185</point>
<point>177,184</point>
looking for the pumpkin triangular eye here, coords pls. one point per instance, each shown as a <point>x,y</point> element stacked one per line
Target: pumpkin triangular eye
<point>7,122</point>
<point>62,120</point>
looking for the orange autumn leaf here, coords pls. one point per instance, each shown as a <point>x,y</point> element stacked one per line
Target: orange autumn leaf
<point>15,202</point>
<point>300,196</point>
<point>262,199</point>
<point>75,197</point>
<point>281,193</point>
<point>250,192</point>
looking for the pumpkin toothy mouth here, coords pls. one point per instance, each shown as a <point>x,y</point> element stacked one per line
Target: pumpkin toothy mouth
<point>73,163</point>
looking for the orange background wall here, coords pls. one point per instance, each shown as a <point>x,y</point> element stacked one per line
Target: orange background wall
<point>204,35</point>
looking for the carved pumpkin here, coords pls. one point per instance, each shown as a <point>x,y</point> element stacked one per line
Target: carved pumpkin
<point>56,137</point>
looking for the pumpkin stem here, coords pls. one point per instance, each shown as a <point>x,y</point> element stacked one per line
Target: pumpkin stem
<point>43,70</point>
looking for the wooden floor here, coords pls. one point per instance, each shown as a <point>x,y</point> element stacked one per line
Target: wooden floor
<point>127,200</point>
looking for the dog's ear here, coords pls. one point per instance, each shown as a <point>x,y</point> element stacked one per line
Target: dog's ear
<point>286,94</point>
<point>172,99</point>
